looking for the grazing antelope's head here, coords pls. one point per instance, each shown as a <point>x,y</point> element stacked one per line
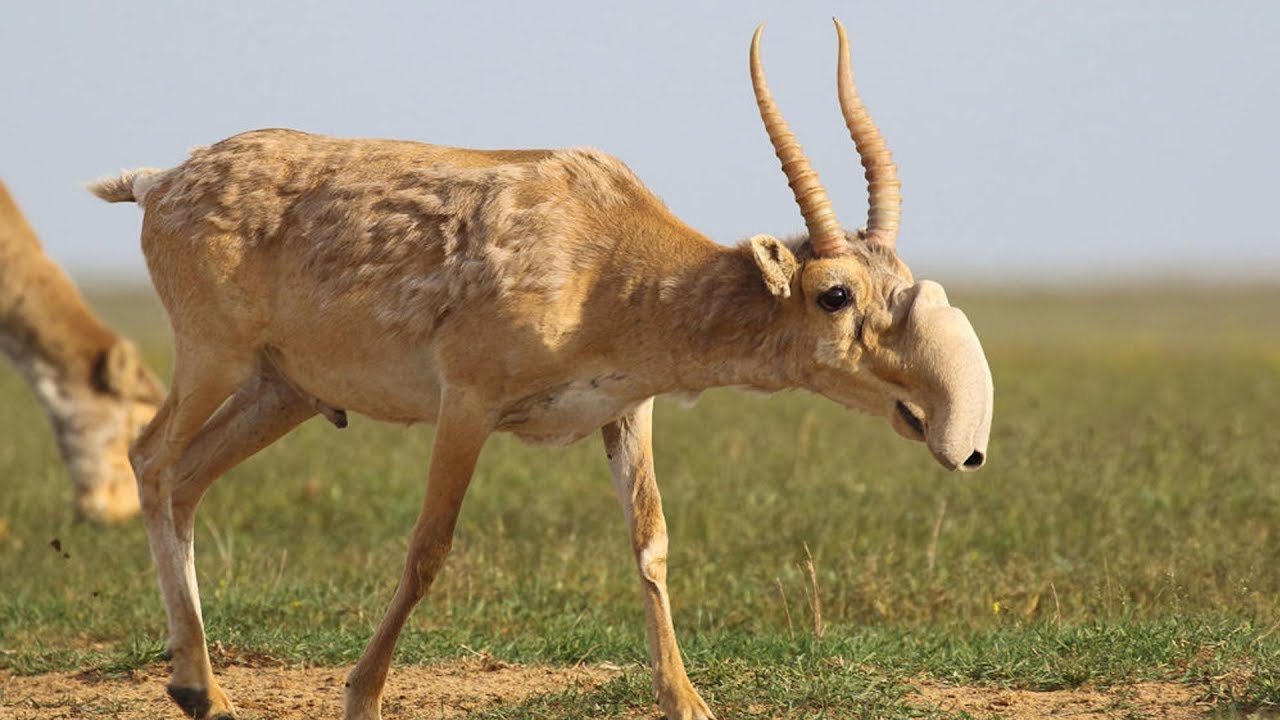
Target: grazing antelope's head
<point>875,339</point>
<point>94,385</point>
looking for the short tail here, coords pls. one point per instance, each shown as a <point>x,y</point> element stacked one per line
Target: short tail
<point>128,186</point>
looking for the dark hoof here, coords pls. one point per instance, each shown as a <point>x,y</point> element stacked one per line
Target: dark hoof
<point>193,701</point>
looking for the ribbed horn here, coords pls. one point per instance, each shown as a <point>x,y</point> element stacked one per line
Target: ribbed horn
<point>883,189</point>
<point>825,233</point>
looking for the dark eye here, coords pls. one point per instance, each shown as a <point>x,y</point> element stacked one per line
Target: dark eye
<point>835,298</point>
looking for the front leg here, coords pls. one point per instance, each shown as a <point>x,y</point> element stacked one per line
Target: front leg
<point>461,429</point>
<point>628,442</point>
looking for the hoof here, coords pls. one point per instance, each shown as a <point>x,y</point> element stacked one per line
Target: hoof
<point>195,702</point>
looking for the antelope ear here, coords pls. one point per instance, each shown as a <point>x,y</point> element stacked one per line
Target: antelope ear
<point>117,369</point>
<point>777,264</point>
<point>122,372</point>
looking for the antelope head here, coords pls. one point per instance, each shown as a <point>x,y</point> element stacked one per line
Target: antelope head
<point>871,337</point>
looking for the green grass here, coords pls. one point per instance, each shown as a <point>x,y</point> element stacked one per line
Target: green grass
<point>1127,526</point>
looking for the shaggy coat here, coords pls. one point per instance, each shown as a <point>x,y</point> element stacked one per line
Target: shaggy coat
<point>544,293</point>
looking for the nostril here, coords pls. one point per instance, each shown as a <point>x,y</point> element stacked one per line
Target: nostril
<point>910,418</point>
<point>975,460</point>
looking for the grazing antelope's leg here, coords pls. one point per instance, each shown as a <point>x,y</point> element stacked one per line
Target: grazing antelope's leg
<point>461,430</point>
<point>203,378</point>
<point>628,442</point>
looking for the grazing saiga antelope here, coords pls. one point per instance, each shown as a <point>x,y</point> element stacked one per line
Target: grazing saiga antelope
<point>546,293</point>
<point>95,388</point>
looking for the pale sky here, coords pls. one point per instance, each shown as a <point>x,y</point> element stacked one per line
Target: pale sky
<point>1036,140</point>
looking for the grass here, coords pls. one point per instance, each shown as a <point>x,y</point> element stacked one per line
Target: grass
<point>1127,527</point>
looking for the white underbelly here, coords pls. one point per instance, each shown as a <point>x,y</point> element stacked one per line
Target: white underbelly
<point>570,411</point>
<point>406,389</point>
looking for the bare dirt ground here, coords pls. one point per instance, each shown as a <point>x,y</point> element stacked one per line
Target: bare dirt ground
<point>1167,701</point>
<point>443,691</point>
<point>454,689</point>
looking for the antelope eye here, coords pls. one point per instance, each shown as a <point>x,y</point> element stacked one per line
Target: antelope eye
<point>835,298</point>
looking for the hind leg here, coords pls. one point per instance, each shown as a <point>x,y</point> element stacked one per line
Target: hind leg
<point>203,378</point>
<point>262,410</point>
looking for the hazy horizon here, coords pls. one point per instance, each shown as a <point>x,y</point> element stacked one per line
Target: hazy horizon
<point>1057,143</point>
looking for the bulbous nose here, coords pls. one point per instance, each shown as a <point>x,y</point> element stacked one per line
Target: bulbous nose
<point>949,366</point>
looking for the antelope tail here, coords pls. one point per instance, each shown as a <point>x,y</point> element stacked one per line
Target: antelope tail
<point>128,186</point>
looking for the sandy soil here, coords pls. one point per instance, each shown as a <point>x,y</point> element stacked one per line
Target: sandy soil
<point>443,691</point>
<point>453,689</point>
<point>1167,701</point>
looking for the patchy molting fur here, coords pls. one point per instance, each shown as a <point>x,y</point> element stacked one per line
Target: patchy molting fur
<point>300,231</point>
<point>404,226</point>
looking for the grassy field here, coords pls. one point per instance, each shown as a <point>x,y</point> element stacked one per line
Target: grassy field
<point>1126,527</point>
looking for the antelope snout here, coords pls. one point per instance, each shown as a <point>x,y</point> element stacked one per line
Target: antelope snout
<point>959,458</point>
<point>956,391</point>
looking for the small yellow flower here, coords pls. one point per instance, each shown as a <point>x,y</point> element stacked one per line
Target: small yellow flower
<point>995,607</point>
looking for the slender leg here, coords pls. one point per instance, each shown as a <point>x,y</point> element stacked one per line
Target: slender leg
<point>628,443</point>
<point>461,430</point>
<point>203,378</point>
<point>262,410</point>
<point>193,399</point>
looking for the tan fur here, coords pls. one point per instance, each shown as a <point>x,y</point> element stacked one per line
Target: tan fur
<point>544,293</point>
<point>777,264</point>
<point>94,387</point>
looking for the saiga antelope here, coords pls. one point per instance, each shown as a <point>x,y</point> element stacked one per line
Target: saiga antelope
<point>546,293</point>
<point>96,389</point>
